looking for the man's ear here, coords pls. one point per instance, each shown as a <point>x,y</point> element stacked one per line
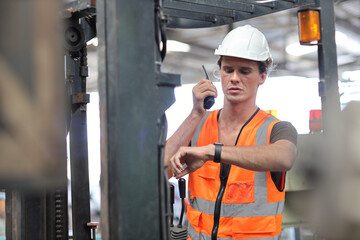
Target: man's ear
<point>262,78</point>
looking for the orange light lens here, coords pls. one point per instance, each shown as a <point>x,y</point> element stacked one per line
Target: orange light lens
<point>309,26</point>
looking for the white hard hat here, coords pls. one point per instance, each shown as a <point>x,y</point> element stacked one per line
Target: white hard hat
<point>245,42</point>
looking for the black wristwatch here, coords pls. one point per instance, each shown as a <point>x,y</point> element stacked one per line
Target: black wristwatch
<point>217,156</point>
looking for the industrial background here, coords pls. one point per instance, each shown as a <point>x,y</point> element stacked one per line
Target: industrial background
<point>54,53</point>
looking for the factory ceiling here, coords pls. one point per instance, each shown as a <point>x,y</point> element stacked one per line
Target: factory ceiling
<point>281,30</point>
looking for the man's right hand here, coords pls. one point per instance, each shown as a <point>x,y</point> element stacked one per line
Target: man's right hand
<point>200,91</point>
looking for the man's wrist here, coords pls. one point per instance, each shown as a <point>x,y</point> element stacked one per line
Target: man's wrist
<point>196,113</point>
<point>217,154</point>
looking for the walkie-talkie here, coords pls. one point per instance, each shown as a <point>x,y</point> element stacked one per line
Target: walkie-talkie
<point>209,100</point>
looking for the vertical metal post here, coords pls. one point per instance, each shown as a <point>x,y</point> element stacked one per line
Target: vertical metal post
<point>25,215</point>
<point>328,87</point>
<point>331,156</point>
<point>327,60</point>
<point>132,176</point>
<point>133,97</point>
<point>297,233</point>
<point>79,152</point>
<point>33,224</point>
<point>102,83</point>
<point>13,214</point>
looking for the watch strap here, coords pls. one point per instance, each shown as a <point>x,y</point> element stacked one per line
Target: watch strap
<point>217,156</point>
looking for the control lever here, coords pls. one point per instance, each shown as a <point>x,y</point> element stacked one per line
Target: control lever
<point>179,232</point>
<point>182,189</point>
<point>209,100</point>
<point>172,201</point>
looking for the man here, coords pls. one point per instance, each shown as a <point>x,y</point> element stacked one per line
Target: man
<point>237,169</point>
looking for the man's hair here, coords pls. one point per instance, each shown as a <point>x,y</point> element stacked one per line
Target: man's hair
<point>263,65</point>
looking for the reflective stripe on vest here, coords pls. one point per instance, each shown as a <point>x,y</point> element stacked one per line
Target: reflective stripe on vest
<point>195,137</point>
<point>259,208</point>
<point>202,236</point>
<point>261,132</point>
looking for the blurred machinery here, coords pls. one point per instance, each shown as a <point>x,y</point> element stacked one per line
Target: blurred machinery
<point>32,126</point>
<point>43,104</point>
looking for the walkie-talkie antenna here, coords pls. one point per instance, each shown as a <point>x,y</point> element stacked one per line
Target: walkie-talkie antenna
<point>209,100</point>
<point>206,75</point>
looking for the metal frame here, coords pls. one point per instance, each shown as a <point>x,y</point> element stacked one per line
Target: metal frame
<point>77,32</point>
<point>211,13</point>
<point>133,97</point>
<point>328,71</point>
<point>79,154</point>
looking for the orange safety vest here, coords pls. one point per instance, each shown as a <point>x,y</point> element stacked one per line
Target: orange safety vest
<point>251,205</point>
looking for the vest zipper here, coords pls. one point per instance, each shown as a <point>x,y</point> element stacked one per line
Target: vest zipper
<point>224,173</point>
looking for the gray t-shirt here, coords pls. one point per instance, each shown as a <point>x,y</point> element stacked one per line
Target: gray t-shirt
<point>282,130</point>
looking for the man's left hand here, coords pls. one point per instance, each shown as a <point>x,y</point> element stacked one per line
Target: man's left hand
<point>193,157</point>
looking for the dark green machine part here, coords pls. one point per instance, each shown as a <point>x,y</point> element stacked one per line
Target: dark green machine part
<point>328,85</point>
<point>79,151</point>
<point>78,30</point>
<point>328,71</point>
<point>134,95</point>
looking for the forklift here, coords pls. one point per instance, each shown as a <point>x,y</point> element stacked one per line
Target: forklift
<point>135,194</point>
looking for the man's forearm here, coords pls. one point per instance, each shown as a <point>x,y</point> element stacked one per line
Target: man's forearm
<point>278,156</point>
<point>181,137</point>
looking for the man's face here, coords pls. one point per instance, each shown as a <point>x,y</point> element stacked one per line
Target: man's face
<point>240,79</point>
